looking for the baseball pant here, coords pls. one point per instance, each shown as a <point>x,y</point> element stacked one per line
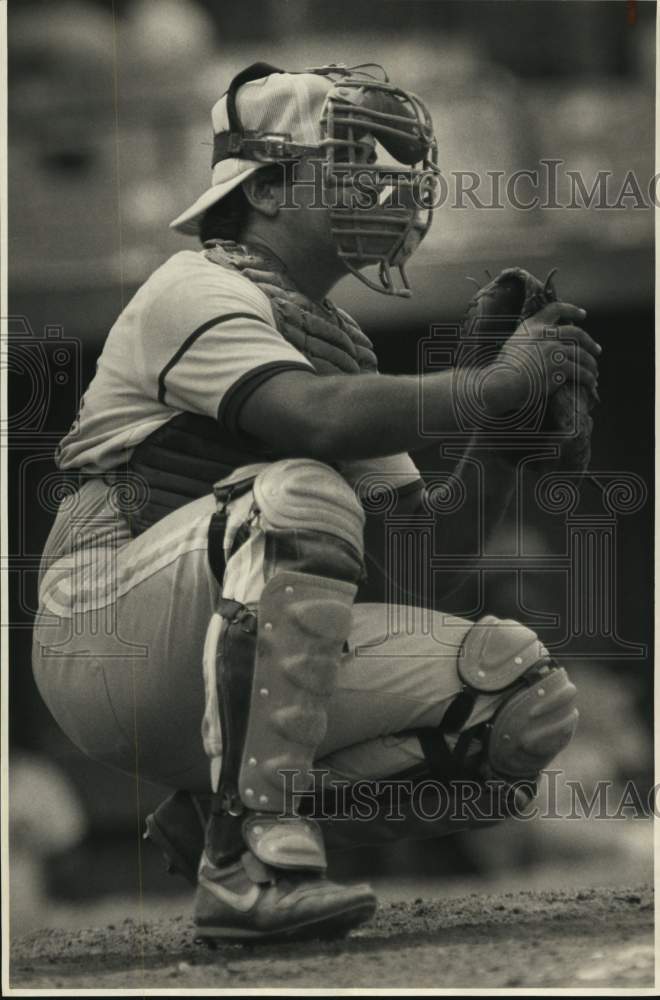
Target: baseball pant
<point>119,639</point>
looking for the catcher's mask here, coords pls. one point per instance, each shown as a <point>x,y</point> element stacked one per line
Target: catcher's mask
<point>384,210</point>
<point>373,141</point>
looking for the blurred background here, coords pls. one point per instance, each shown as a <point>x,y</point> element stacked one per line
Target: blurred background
<point>109,135</point>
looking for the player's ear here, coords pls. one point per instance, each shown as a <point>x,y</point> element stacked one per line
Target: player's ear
<point>264,192</point>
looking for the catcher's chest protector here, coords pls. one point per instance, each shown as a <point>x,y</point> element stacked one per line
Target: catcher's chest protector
<point>184,458</point>
<point>328,337</point>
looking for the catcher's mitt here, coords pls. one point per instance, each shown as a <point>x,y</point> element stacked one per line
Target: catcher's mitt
<point>498,308</point>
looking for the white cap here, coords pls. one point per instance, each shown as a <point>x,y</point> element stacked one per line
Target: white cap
<point>288,104</point>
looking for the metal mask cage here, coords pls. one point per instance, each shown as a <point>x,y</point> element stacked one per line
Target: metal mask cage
<point>358,110</point>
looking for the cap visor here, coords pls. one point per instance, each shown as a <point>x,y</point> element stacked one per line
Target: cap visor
<point>188,222</point>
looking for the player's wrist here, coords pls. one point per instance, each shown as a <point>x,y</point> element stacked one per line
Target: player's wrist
<point>492,390</point>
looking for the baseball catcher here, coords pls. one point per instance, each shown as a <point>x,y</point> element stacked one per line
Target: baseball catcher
<point>198,621</point>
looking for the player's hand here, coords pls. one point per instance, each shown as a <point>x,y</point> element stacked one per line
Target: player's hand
<point>546,351</point>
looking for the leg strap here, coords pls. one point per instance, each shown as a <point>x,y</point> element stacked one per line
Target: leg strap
<point>223,493</point>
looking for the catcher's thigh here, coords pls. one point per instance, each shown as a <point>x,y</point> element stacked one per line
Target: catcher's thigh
<point>119,635</point>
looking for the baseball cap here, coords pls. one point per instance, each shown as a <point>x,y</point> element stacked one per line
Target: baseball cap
<point>279,103</point>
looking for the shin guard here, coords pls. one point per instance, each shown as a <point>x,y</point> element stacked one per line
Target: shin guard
<point>277,662</point>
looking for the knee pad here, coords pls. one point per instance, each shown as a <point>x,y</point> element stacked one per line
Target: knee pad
<point>538,715</point>
<point>304,495</point>
<point>496,652</point>
<point>310,517</point>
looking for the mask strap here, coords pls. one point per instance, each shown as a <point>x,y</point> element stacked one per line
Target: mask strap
<point>256,71</point>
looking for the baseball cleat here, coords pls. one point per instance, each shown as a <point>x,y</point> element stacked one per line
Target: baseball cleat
<point>249,901</point>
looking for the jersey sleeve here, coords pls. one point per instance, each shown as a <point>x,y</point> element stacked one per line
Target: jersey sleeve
<point>212,339</point>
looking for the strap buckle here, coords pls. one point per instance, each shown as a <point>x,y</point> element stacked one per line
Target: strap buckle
<point>274,146</point>
<point>246,619</point>
<point>225,494</point>
<point>232,804</point>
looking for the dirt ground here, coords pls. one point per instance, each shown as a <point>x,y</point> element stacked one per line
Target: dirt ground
<point>590,938</point>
